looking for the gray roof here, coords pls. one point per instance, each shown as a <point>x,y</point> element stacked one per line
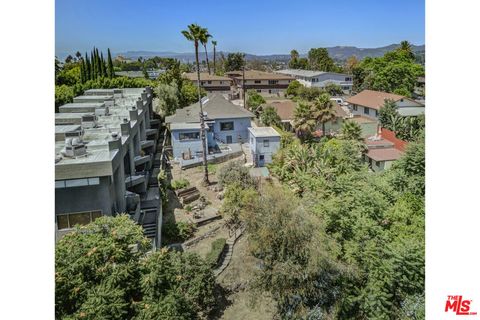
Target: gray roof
<point>304,73</point>
<point>411,111</point>
<point>215,106</point>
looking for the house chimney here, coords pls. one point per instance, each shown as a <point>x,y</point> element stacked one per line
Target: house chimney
<point>133,114</point>
<point>115,143</point>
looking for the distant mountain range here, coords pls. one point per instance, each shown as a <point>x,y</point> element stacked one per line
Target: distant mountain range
<point>338,53</point>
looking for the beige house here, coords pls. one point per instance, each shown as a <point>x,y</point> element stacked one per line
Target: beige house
<point>210,82</point>
<point>265,83</point>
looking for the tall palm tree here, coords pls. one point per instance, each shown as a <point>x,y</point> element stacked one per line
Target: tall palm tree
<point>204,36</point>
<point>407,47</point>
<point>303,121</point>
<point>194,33</point>
<point>214,43</point>
<point>323,110</point>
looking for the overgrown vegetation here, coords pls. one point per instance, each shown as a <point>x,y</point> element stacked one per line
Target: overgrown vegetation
<point>179,184</point>
<point>177,231</point>
<point>102,272</point>
<point>405,128</point>
<point>215,252</point>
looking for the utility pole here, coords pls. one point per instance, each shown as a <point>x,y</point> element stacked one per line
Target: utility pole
<point>243,85</point>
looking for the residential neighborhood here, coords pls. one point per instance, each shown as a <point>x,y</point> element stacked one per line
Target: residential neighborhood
<point>188,185</point>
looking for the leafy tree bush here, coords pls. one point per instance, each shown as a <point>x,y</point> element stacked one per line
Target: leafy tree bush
<point>237,198</point>
<point>254,100</point>
<point>269,117</point>
<point>333,89</point>
<point>102,272</point>
<point>235,172</point>
<point>180,184</point>
<point>216,250</point>
<point>177,231</point>
<point>351,131</point>
<point>293,88</point>
<point>234,62</point>
<point>168,100</point>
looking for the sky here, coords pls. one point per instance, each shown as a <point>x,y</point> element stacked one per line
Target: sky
<point>256,27</point>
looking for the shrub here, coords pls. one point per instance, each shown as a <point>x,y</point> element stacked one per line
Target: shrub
<point>179,231</point>
<point>235,172</point>
<point>179,184</point>
<point>216,250</point>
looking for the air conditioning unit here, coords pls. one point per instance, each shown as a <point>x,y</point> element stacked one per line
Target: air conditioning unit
<point>74,148</point>
<point>89,121</point>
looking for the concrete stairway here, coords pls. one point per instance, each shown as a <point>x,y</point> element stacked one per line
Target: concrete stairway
<point>227,257</point>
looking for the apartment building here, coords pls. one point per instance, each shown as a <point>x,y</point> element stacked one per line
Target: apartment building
<point>265,83</point>
<point>320,79</point>
<point>106,159</point>
<point>210,82</point>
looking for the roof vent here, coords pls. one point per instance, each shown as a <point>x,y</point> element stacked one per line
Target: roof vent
<point>115,135</point>
<point>134,108</point>
<point>125,120</point>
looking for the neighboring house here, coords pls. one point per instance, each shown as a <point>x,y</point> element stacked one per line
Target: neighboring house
<point>264,83</point>
<point>381,153</point>
<point>320,79</point>
<point>105,168</point>
<point>152,74</point>
<point>284,109</point>
<point>369,126</point>
<point>264,143</point>
<point>368,103</point>
<point>210,82</point>
<point>225,123</point>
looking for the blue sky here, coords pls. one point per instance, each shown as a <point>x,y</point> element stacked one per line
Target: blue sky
<point>258,27</point>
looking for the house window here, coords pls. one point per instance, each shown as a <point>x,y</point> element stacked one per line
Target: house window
<point>348,79</point>
<point>266,143</point>
<point>221,82</point>
<point>272,81</point>
<point>258,81</point>
<point>226,126</point>
<point>209,82</point>
<point>188,136</point>
<point>377,163</point>
<point>259,90</point>
<point>354,107</point>
<point>69,220</point>
<point>376,113</point>
<point>60,184</point>
<point>366,110</point>
<point>202,83</point>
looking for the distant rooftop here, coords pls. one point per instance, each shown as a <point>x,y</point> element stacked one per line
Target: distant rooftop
<point>384,154</point>
<point>262,75</point>
<point>304,73</point>
<point>204,76</point>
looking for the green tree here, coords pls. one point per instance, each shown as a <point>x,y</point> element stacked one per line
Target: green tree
<point>293,88</point>
<point>235,173</point>
<point>189,93</point>
<point>323,110</point>
<point>406,47</point>
<point>386,112</point>
<point>333,89</point>
<point>195,33</point>
<point>102,271</point>
<point>299,273</point>
<point>351,130</point>
<point>303,120</point>
<point>269,117</point>
<point>110,71</point>
<point>234,61</point>
<point>254,100</point>
<point>168,101</point>
<point>319,59</point>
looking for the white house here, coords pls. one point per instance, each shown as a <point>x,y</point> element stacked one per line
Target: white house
<point>264,143</point>
<point>311,78</point>
<point>368,102</point>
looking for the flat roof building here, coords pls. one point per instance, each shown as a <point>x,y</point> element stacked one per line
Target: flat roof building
<point>105,161</point>
<point>320,79</point>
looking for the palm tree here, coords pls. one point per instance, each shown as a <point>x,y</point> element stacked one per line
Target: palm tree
<point>323,110</point>
<point>407,47</point>
<point>303,121</point>
<point>194,33</point>
<point>204,36</point>
<point>351,130</point>
<point>214,43</point>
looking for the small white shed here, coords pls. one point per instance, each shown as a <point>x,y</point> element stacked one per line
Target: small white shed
<point>264,143</point>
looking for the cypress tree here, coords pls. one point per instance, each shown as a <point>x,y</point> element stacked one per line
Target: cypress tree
<point>102,65</point>
<point>88,69</point>
<point>97,62</point>
<point>110,65</point>
<point>82,71</point>
<point>94,64</point>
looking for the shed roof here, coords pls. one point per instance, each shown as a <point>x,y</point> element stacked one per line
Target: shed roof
<point>384,154</point>
<point>263,132</point>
